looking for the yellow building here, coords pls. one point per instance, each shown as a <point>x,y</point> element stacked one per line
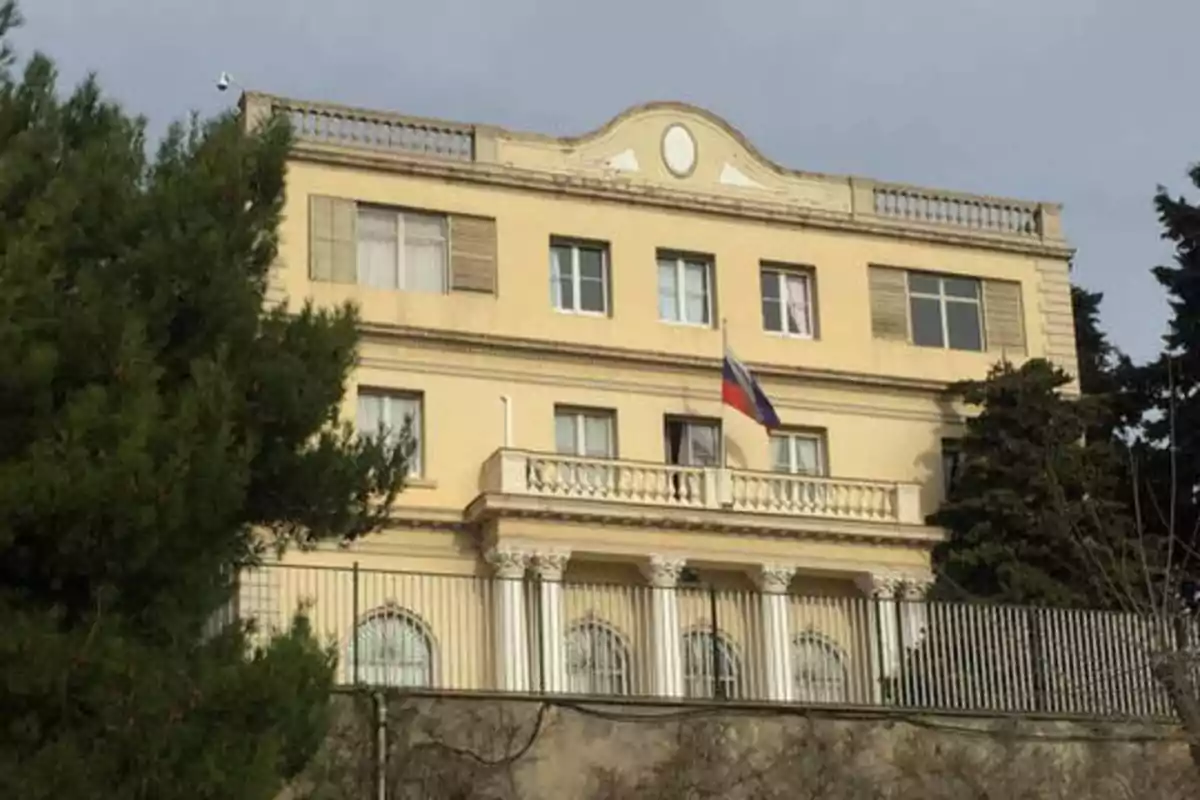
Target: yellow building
<point>552,314</point>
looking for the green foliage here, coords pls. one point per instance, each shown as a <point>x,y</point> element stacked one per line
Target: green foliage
<point>158,430</point>
<point>1032,518</point>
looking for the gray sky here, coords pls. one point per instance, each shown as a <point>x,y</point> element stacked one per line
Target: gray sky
<point>1086,102</point>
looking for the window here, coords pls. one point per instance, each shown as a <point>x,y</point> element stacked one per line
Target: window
<point>945,311</point>
<point>818,670</point>
<point>597,660</point>
<point>393,649</point>
<point>699,677</point>
<point>401,250</point>
<point>798,452</point>
<point>787,302</point>
<point>692,442</point>
<point>584,432</point>
<point>579,277</point>
<point>685,289</point>
<point>390,413</point>
<point>952,461</point>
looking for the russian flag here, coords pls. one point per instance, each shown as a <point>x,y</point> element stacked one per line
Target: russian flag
<point>740,390</point>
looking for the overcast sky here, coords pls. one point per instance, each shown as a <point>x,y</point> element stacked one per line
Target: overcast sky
<point>1086,102</point>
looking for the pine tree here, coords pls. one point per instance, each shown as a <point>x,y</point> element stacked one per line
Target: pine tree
<point>1032,513</point>
<point>158,430</point>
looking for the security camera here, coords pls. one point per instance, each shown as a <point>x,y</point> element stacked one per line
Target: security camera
<point>223,81</point>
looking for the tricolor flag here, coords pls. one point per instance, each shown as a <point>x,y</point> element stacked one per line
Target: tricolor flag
<point>740,390</point>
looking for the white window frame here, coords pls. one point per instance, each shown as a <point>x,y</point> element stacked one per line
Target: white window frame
<point>943,299</point>
<point>575,300</point>
<point>681,260</point>
<point>781,275</point>
<point>597,659</point>
<point>579,415</point>
<point>793,463</point>
<point>416,460</point>
<point>402,275</point>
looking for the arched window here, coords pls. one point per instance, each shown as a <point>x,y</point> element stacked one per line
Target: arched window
<point>818,670</point>
<point>597,659</point>
<point>698,672</point>
<point>394,649</point>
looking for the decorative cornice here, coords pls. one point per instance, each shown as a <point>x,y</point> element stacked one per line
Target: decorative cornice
<point>662,197</point>
<point>658,360</point>
<point>490,506</point>
<point>663,571</point>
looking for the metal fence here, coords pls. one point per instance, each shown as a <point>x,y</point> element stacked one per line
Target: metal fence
<point>444,633</point>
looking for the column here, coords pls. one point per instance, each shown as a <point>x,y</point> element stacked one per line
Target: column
<point>663,573</point>
<point>885,643</point>
<point>549,567</point>
<point>512,642</point>
<point>777,645</point>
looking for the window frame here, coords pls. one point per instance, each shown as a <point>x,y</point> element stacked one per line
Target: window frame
<point>416,461</point>
<point>780,273</point>
<point>401,272</point>
<point>837,680</point>
<point>579,414</point>
<point>819,435</point>
<point>575,246</point>
<point>615,674</point>
<point>371,627</point>
<point>681,259</point>
<point>943,299</point>
<point>698,668</point>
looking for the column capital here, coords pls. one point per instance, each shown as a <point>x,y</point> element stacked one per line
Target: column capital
<point>509,562</point>
<point>549,564</point>
<point>775,578</point>
<point>890,585</point>
<point>663,571</point>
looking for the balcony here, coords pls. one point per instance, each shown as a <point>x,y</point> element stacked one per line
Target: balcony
<point>766,495</point>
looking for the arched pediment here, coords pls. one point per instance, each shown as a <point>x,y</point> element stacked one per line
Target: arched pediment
<point>675,145</point>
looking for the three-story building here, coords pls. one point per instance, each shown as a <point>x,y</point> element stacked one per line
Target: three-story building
<point>583,513</point>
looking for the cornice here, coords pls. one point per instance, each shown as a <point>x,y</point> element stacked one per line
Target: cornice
<point>591,188</point>
<point>490,506</point>
<point>653,359</point>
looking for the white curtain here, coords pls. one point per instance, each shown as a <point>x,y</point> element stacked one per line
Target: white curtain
<point>798,306</point>
<point>668,292</point>
<point>695,284</point>
<point>378,260</point>
<point>424,253</point>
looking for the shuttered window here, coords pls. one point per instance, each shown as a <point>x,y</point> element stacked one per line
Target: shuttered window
<point>406,250</point>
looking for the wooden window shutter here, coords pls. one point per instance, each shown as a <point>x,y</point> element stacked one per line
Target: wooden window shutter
<point>889,303</point>
<point>332,239</point>
<point>472,254</point>
<point>1004,324</point>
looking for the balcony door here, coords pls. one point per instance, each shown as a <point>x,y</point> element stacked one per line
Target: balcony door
<point>690,442</point>
<point>585,433</point>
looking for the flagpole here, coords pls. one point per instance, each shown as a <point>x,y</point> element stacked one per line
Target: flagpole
<point>724,431</point>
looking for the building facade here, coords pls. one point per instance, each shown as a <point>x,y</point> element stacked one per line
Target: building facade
<point>583,514</point>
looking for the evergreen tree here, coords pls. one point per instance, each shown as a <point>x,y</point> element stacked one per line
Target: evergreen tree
<point>1031,515</point>
<point>1105,373</point>
<point>158,430</point>
<point>1170,386</point>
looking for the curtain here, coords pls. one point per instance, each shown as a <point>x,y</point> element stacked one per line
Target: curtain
<point>377,256</point>
<point>424,253</point>
<point>798,306</point>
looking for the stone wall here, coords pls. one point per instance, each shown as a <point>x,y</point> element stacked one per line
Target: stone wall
<point>483,749</point>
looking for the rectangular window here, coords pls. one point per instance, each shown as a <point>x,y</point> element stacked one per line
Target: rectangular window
<point>787,306</point>
<point>388,413</point>
<point>945,311</point>
<point>584,432</point>
<point>402,250</point>
<point>952,458</point>
<point>579,277</point>
<point>685,288</point>
<point>692,442</point>
<point>798,452</point>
